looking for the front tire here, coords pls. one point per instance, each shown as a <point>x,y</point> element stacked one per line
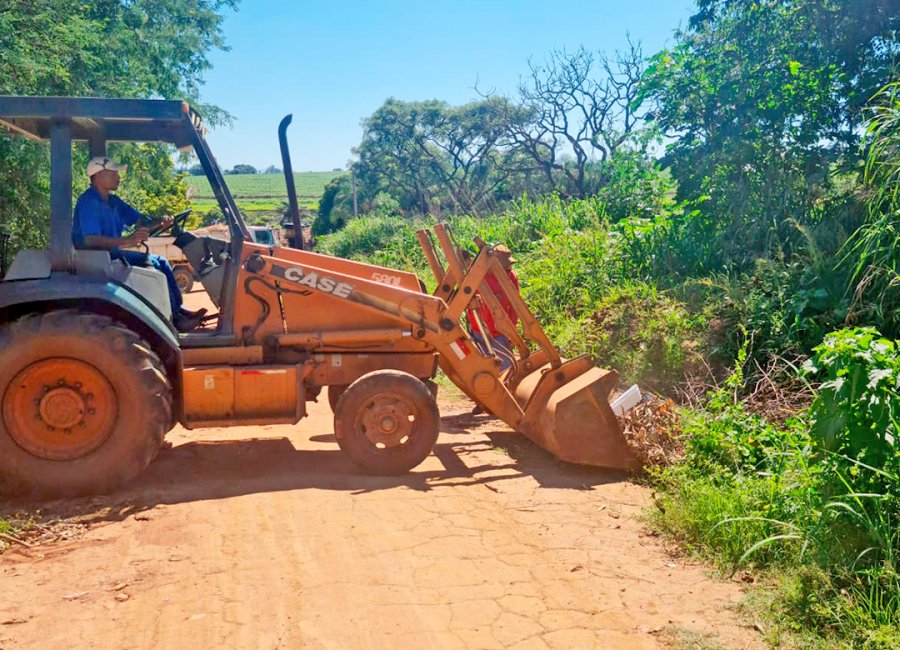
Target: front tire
<point>184,278</point>
<point>84,405</point>
<point>387,421</point>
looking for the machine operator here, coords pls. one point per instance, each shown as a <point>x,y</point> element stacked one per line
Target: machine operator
<point>101,216</point>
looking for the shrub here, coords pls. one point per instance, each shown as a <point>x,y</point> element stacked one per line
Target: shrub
<point>362,237</point>
<point>818,498</point>
<point>856,416</point>
<point>647,336</point>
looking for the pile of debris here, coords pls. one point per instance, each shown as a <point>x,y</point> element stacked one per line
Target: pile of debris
<point>27,531</point>
<point>652,429</point>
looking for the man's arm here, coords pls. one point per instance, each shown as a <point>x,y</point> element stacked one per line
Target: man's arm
<point>100,242</point>
<point>131,217</point>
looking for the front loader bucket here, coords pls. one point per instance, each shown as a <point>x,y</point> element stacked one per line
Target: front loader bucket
<point>567,412</point>
<point>562,406</point>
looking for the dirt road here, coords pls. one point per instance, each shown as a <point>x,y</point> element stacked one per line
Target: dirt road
<point>270,538</point>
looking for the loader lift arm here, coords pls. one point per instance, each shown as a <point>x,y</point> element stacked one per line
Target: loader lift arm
<point>560,405</point>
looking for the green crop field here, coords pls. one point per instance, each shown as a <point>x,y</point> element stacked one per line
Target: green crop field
<point>261,192</point>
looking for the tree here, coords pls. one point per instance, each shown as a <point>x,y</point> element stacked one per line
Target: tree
<point>335,206</point>
<point>574,110</point>
<point>272,169</point>
<point>432,156</point>
<point>107,48</point>
<point>242,169</point>
<point>196,170</point>
<point>572,115</point>
<point>763,103</point>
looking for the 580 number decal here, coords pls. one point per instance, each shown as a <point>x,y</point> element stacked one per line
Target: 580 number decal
<point>386,278</point>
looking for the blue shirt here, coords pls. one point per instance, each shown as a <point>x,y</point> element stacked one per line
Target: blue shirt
<point>95,215</point>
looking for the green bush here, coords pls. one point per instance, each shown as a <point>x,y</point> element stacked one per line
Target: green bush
<point>647,336</point>
<point>856,416</point>
<point>565,275</point>
<point>817,499</point>
<point>362,237</point>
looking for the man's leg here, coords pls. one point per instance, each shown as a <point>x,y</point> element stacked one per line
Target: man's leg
<point>133,258</point>
<point>479,341</point>
<point>162,264</point>
<point>503,350</point>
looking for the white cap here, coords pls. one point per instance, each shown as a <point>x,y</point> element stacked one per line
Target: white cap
<point>100,163</point>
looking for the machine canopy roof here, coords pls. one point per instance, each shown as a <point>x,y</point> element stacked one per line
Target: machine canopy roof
<point>104,120</point>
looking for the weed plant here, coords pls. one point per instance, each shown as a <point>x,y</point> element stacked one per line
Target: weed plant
<point>816,502</point>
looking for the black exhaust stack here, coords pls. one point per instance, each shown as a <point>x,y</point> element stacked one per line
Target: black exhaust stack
<point>297,240</point>
<point>4,249</point>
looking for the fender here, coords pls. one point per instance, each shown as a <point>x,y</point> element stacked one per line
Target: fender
<point>64,289</point>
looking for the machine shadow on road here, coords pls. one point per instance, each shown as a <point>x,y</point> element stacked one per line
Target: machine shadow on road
<point>219,469</point>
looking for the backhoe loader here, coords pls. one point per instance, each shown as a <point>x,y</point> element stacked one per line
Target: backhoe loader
<point>93,375</point>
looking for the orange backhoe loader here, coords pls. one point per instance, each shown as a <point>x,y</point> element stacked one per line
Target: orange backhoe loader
<point>92,373</point>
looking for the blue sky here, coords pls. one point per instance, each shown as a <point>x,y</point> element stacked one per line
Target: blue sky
<point>333,64</point>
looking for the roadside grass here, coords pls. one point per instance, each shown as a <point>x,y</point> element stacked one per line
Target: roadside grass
<point>13,526</point>
<point>447,390</point>
<point>817,519</point>
<point>679,638</point>
<point>573,277</point>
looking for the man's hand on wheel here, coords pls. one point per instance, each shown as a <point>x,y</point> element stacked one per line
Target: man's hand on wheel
<point>139,236</point>
<point>165,223</point>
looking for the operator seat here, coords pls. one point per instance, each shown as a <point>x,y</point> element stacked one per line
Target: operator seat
<point>97,265</point>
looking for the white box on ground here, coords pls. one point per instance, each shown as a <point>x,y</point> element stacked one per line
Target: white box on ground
<point>627,400</point>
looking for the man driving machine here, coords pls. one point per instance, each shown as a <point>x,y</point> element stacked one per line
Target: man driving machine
<point>100,217</point>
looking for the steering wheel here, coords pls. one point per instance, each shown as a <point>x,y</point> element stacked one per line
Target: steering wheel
<point>177,225</point>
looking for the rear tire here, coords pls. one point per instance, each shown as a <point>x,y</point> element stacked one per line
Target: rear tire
<point>84,405</point>
<point>184,278</point>
<point>387,421</point>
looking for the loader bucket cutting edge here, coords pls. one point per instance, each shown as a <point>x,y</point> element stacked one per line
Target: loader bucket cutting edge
<point>574,420</point>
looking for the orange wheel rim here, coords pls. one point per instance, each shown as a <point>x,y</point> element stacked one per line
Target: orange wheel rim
<point>60,409</point>
<point>388,420</point>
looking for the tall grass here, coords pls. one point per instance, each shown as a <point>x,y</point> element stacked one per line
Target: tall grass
<point>816,502</point>
<point>577,276</point>
<point>873,253</point>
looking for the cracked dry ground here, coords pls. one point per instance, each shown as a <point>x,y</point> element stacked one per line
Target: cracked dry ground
<point>270,538</point>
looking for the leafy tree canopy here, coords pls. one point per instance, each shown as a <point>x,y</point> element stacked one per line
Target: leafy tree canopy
<point>764,101</point>
<point>107,48</point>
<point>242,169</point>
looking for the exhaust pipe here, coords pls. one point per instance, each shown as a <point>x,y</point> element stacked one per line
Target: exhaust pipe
<point>289,180</point>
<point>4,250</point>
